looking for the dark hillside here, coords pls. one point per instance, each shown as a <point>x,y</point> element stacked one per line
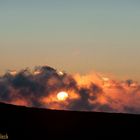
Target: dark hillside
<point>21,122</point>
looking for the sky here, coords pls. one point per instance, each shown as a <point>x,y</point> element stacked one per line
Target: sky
<point>72,35</point>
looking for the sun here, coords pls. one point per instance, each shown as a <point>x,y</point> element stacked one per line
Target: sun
<point>62,96</point>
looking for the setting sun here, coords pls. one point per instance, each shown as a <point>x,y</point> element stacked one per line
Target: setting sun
<point>62,96</point>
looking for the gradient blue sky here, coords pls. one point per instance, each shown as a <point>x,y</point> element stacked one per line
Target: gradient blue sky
<point>74,35</point>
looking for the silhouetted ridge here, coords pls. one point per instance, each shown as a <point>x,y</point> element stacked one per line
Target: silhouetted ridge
<point>19,121</point>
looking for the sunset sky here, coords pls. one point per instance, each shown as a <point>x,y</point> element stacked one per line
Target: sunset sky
<point>71,35</point>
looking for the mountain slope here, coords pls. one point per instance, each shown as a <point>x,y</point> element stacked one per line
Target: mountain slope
<point>21,122</point>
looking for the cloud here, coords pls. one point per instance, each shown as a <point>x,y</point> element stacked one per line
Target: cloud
<point>91,92</point>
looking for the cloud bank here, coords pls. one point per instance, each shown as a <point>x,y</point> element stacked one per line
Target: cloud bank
<point>91,92</point>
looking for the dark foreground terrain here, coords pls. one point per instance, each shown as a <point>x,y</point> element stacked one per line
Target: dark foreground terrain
<point>30,123</point>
